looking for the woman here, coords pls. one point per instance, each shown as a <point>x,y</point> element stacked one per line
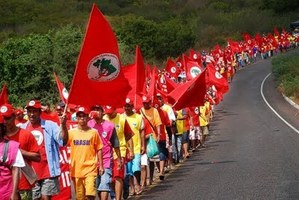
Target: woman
<point>10,162</point>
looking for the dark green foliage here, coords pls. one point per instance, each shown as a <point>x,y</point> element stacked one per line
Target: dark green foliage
<point>41,37</point>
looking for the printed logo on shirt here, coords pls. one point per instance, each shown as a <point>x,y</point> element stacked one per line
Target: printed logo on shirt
<point>134,125</point>
<point>38,136</point>
<point>117,126</point>
<point>104,134</point>
<point>81,142</point>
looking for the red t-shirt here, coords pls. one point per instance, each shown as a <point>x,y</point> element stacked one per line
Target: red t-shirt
<point>27,143</point>
<point>165,122</point>
<point>41,168</point>
<point>194,116</point>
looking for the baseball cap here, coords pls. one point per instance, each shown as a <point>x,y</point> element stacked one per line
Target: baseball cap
<point>19,111</point>
<point>109,109</point>
<point>146,99</point>
<point>34,104</point>
<point>7,110</point>
<point>82,109</point>
<point>129,101</point>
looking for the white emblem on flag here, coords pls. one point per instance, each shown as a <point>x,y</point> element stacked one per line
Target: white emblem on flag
<point>65,93</point>
<point>195,71</point>
<point>103,67</point>
<point>218,75</point>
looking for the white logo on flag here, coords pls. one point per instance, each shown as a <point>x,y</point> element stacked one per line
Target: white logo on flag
<point>103,67</point>
<point>65,93</point>
<point>195,71</point>
<point>173,69</point>
<point>218,75</point>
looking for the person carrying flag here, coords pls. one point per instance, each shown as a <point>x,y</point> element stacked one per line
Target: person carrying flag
<point>49,137</point>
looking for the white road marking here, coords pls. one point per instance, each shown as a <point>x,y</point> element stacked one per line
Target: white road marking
<point>262,93</point>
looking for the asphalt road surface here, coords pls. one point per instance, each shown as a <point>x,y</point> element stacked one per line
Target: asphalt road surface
<point>251,153</point>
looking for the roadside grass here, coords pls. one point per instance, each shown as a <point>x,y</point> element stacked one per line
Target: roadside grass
<point>286,73</point>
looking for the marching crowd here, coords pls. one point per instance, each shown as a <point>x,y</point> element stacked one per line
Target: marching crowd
<point>108,149</point>
<point>104,151</point>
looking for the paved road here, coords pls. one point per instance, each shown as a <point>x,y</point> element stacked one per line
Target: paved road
<point>251,154</point>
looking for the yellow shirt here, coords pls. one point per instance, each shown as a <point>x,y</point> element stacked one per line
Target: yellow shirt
<point>119,124</point>
<point>180,124</point>
<point>136,124</point>
<point>84,147</point>
<point>153,116</point>
<point>203,119</point>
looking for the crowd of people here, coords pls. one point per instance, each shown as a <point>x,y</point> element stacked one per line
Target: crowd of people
<point>107,148</point>
<point>104,151</point>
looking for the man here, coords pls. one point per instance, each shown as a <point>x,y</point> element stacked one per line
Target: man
<point>19,117</point>
<point>49,137</point>
<point>28,147</point>
<point>86,156</point>
<point>151,115</point>
<point>134,166</point>
<point>124,135</point>
<point>110,141</point>
<point>11,161</point>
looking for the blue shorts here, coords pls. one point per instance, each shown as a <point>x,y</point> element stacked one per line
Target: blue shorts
<point>163,155</point>
<point>185,137</point>
<point>134,165</point>
<point>104,181</point>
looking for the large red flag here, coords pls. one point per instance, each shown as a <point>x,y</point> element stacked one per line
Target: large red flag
<point>4,95</point>
<point>98,77</point>
<point>135,74</point>
<point>64,94</point>
<point>216,79</point>
<point>189,94</point>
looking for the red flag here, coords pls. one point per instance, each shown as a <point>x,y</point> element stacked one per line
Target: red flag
<point>170,84</point>
<point>195,56</point>
<point>189,94</point>
<point>135,74</point>
<point>215,78</point>
<point>98,77</point>
<point>4,95</point>
<point>193,69</point>
<point>64,94</point>
<point>172,69</point>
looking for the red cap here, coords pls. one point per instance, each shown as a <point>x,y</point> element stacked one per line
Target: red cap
<point>7,110</point>
<point>34,104</point>
<point>109,109</point>
<point>93,114</point>
<point>19,111</point>
<point>129,101</point>
<point>83,109</point>
<point>146,99</point>
<point>58,108</point>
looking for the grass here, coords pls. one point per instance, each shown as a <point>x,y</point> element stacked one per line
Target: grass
<point>286,72</point>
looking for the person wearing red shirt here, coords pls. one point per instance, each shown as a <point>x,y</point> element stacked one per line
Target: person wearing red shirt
<point>28,147</point>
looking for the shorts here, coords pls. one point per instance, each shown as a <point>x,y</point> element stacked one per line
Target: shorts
<point>194,133</point>
<point>104,181</point>
<point>134,165</point>
<point>144,160</point>
<point>163,155</point>
<point>118,173</point>
<point>204,130</point>
<point>185,137</point>
<point>85,186</point>
<point>46,187</point>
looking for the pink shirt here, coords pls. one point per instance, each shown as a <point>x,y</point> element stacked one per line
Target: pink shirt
<point>105,130</point>
<point>6,174</point>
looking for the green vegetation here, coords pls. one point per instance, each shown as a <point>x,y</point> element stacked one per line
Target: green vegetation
<point>41,37</point>
<point>286,72</point>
